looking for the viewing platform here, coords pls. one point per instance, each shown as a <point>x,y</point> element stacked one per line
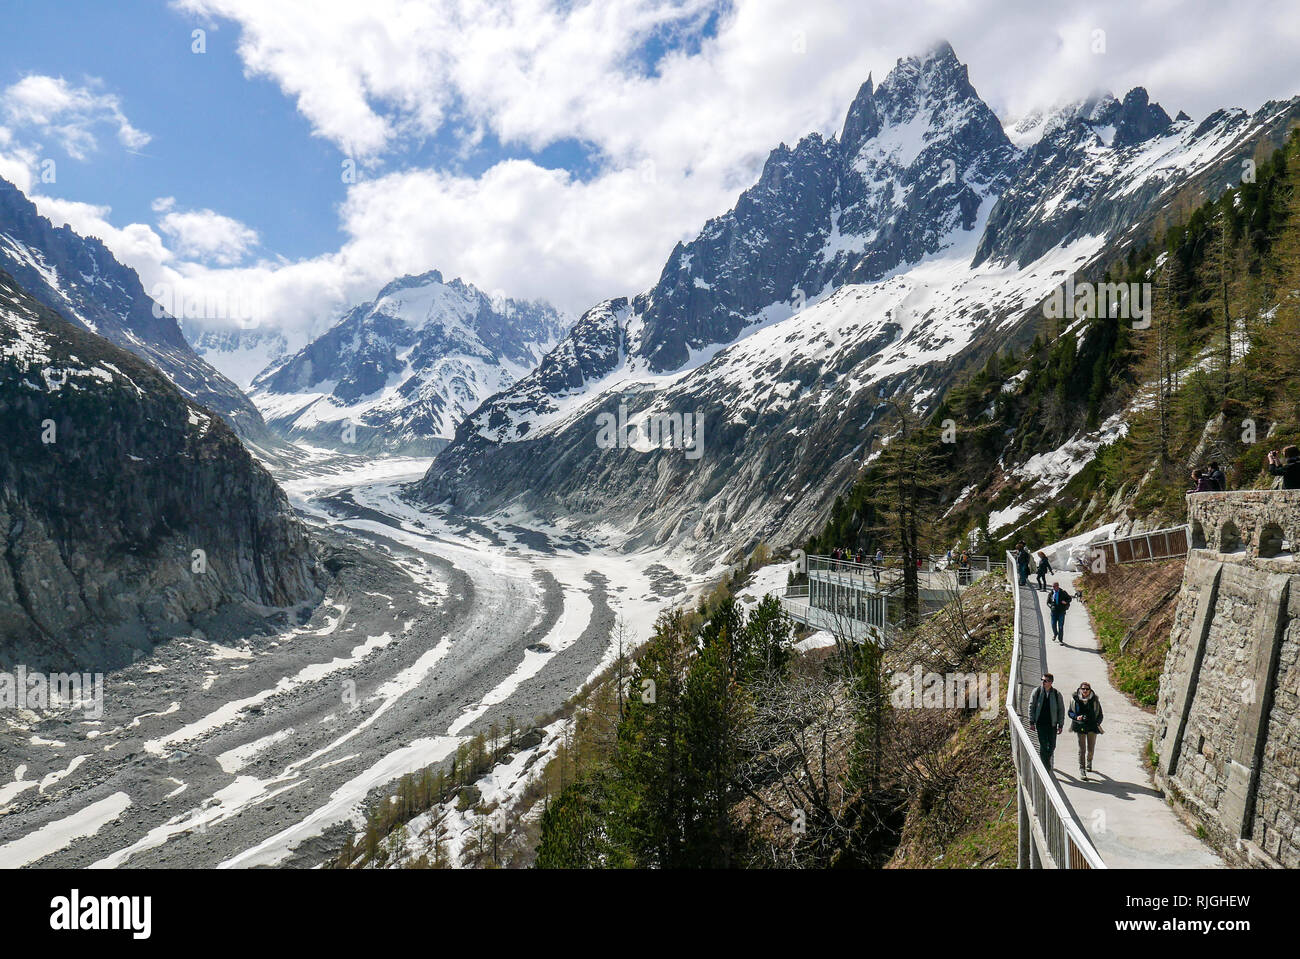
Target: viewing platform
<point>864,601</point>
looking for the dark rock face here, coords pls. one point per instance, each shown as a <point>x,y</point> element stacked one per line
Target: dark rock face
<point>756,255</point>
<point>85,283</point>
<point>1138,119</point>
<point>110,482</point>
<point>914,162</point>
<point>410,364</point>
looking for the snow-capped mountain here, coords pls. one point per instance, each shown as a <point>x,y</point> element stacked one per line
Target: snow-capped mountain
<point>85,283</point>
<point>877,263</point>
<point>401,371</point>
<point>1103,166</point>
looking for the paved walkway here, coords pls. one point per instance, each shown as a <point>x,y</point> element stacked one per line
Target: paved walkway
<point>1128,819</point>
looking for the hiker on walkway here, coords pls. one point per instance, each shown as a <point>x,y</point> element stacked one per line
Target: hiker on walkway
<point>1047,716</point>
<point>1217,477</point>
<point>877,561</point>
<point>860,557</point>
<point>1023,560</point>
<point>1286,465</point>
<point>1085,711</point>
<point>963,569</point>
<point>1058,601</point>
<point>1044,567</point>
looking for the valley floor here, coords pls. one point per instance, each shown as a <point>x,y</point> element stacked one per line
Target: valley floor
<point>262,751</point>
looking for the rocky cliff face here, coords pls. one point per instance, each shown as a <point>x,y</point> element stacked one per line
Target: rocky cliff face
<point>859,269</point>
<point>128,514</point>
<point>85,283</point>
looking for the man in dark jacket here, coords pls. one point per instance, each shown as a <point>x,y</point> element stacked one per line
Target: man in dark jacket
<point>1047,716</point>
<point>1217,478</point>
<point>1286,465</point>
<point>1085,713</point>
<point>1023,561</point>
<point>1058,601</point>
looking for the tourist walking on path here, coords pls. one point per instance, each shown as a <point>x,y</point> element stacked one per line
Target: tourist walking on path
<point>1044,567</point>
<point>1286,465</point>
<point>1047,716</point>
<point>1085,713</point>
<point>877,561</point>
<point>1058,601</point>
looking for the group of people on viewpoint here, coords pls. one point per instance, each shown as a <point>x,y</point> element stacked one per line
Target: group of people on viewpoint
<point>1284,463</point>
<point>846,554</point>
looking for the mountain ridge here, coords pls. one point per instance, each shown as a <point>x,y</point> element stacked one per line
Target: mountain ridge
<point>904,314</point>
<point>81,279</point>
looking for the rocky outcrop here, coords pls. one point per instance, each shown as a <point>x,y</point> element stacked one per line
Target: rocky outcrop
<point>1228,722</point>
<point>128,514</point>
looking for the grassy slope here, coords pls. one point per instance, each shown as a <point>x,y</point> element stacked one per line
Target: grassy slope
<point>975,825</point>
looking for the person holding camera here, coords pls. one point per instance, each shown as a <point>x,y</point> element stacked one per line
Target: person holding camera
<point>1286,465</point>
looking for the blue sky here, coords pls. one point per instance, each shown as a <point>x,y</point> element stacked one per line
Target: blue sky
<point>551,149</point>
<point>225,141</point>
<point>219,140</point>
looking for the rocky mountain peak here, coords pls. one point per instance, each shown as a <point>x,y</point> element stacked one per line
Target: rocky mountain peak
<point>1139,119</point>
<point>863,120</point>
<point>80,278</point>
<point>404,368</point>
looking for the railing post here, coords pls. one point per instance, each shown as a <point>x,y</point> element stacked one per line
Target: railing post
<point>1024,839</point>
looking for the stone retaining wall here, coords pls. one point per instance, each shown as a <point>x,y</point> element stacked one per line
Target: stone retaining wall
<point>1228,722</point>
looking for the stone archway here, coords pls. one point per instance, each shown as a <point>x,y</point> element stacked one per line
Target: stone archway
<point>1230,540</point>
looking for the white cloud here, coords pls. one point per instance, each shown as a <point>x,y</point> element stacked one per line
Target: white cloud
<point>17,161</point>
<point>205,235</point>
<point>52,107</point>
<point>376,78</point>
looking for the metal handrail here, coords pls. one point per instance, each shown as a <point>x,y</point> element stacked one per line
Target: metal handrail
<point>1057,833</point>
<point>931,563</point>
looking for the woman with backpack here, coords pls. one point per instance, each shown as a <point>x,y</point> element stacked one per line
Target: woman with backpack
<point>1086,715</point>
